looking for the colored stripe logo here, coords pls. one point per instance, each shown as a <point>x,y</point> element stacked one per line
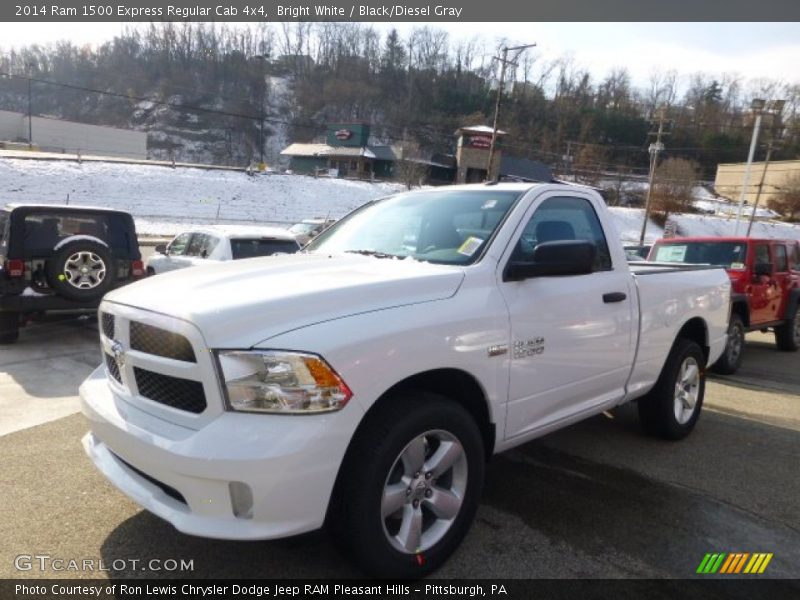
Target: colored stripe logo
<point>734,563</point>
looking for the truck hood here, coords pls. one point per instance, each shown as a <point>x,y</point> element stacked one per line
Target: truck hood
<point>238,304</point>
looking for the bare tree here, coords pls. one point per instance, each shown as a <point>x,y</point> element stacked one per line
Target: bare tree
<point>787,202</point>
<point>589,163</point>
<point>674,183</point>
<point>410,169</point>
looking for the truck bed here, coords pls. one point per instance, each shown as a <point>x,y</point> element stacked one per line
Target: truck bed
<point>667,294</point>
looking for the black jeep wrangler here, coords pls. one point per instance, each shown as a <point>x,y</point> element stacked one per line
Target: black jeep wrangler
<point>61,257</point>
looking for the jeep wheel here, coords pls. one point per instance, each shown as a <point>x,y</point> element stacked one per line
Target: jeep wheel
<point>731,358</point>
<point>671,409</point>
<point>9,327</point>
<point>409,486</point>
<point>81,270</point>
<point>787,336</point>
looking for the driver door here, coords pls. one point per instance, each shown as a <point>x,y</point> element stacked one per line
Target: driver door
<point>572,336</point>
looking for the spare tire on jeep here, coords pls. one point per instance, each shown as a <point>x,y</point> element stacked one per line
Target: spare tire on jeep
<point>81,269</point>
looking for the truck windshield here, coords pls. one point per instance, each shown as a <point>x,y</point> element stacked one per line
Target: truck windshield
<point>440,226</point>
<point>731,255</point>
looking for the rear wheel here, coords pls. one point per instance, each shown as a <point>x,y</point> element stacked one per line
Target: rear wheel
<point>731,358</point>
<point>9,327</point>
<point>671,409</point>
<point>787,336</point>
<point>409,486</point>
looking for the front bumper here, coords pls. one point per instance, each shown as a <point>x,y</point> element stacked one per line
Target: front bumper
<point>241,476</point>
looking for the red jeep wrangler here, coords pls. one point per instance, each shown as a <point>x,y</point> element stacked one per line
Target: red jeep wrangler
<point>765,275</point>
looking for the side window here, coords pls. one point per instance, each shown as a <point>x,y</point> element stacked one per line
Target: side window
<point>762,255</point>
<point>795,259</point>
<point>564,218</point>
<point>781,260</point>
<point>209,246</point>
<point>178,245</point>
<point>195,247</point>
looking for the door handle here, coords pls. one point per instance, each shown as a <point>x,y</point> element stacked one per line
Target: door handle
<point>614,297</point>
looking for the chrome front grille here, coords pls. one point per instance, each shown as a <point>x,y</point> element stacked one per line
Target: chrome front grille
<point>183,394</point>
<point>152,340</point>
<point>160,364</point>
<point>112,368</point>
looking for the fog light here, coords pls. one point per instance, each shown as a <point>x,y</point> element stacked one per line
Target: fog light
<point>241,500</point>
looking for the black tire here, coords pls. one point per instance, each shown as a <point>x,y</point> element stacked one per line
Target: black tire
<point>150,271</point>
<point>657,410</point>
<point>9,327</point>
<point>355,517</point>
<point>787,336</point>
<point>731,358</point>
<point>93,286</point>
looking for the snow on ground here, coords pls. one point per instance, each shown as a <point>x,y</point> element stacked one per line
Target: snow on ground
<point>164,200</point>
<point>628,222</point>
<point>701,225</point>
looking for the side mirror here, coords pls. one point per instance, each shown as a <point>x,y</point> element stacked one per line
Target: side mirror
<point>567,257</point>
<point>161,248</point>
<point>763,269</point>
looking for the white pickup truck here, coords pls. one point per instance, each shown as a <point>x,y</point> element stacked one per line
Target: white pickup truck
<point>364,382</point>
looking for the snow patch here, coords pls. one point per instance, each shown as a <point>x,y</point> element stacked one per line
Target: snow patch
<point>164,200</point>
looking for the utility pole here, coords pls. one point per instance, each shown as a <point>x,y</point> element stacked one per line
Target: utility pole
<point>568,161</point>
<point>30,108</point>
<point>760,107</point>
<point>504,63</point>
<point>410,80</point>
<point>654,150</point>
<point>263,58</point>
<point>760,187</point>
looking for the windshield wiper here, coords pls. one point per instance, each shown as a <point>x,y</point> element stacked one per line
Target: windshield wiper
<point>375,253</point>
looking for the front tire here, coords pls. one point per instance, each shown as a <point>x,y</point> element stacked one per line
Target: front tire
<point>409,486</point>
<point>787,336</point>
<point>671,409</point>
<point>731,358</point>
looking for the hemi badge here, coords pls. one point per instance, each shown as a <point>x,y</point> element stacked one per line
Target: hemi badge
<point>497,350</point>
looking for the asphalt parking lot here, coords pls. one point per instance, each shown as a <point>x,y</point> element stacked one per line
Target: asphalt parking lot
<point>596,500</point>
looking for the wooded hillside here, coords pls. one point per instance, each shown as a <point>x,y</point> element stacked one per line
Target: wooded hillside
<point>199,89</point>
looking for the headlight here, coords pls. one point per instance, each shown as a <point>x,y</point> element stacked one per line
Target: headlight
<point>274,381</point>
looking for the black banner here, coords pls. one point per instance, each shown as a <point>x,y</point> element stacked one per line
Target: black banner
<point>732,588</point>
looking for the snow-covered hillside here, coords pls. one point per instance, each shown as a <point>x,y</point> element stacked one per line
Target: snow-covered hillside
<point>700,225</point>
<point>164,200</point>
